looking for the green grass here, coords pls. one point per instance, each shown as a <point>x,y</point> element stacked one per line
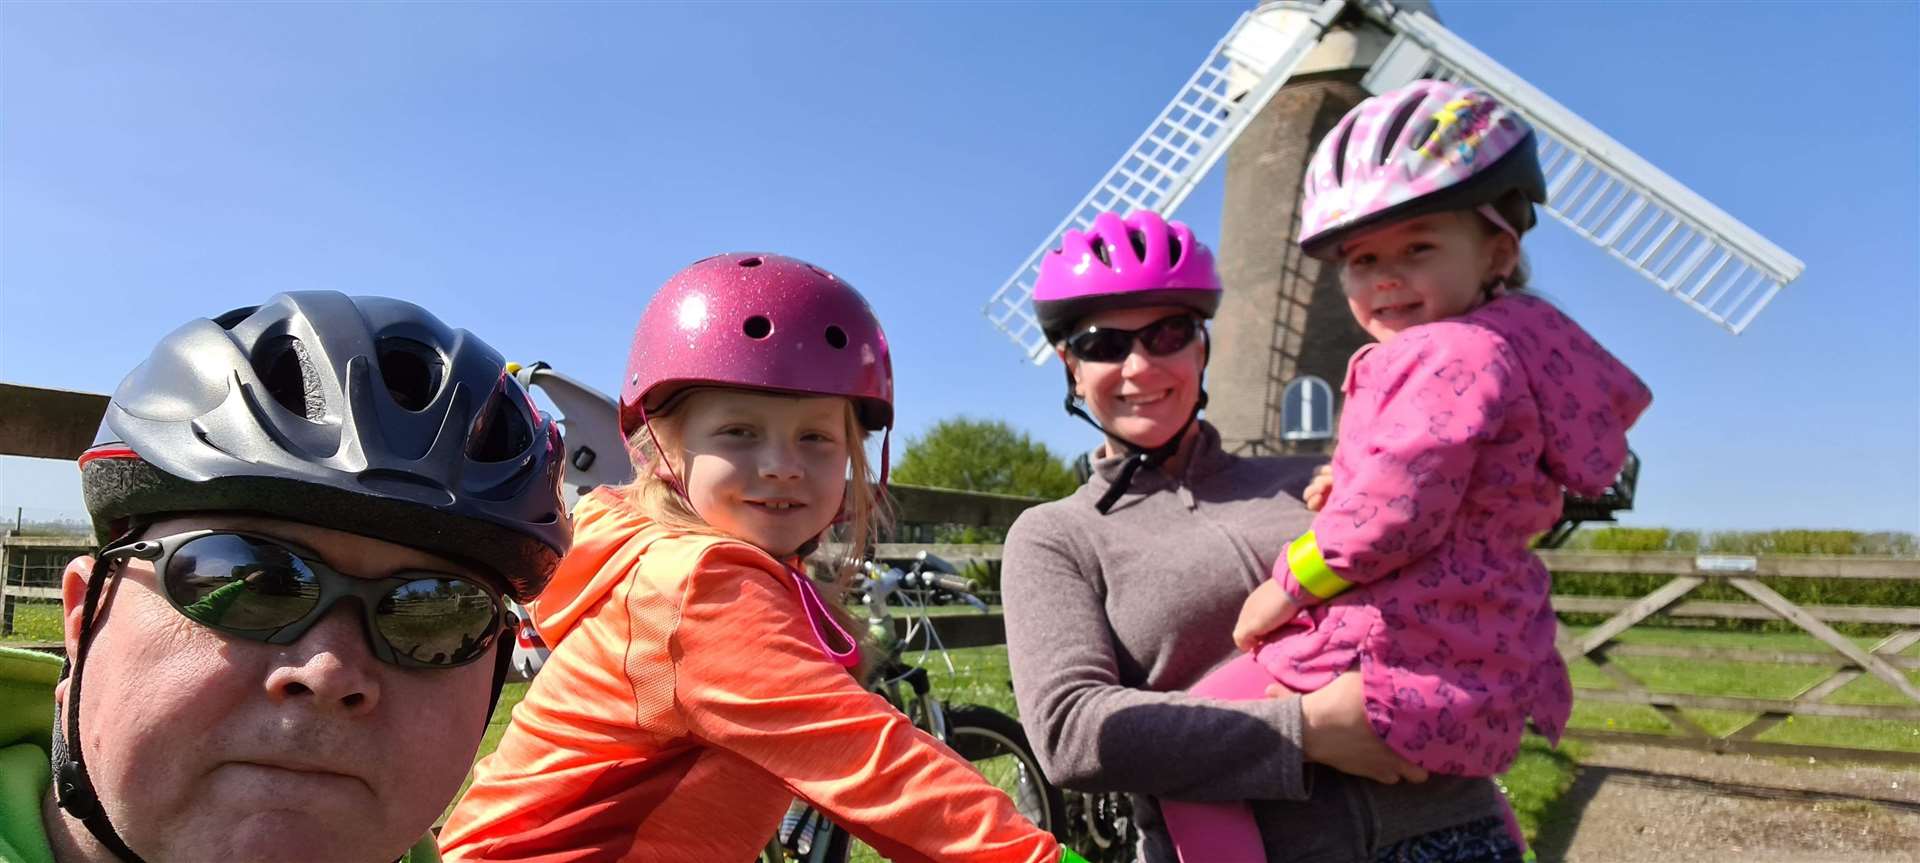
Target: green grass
<point>1757,680</point>
<point>34,621</point>
<point>1536,780</point>
<point>510,695</point>
<point>980,676</point>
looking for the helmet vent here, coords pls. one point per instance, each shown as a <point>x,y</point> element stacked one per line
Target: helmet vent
<point>836,337</point>
<point>751,262</point>
<point>232,319</point>
<point>1173,249</point>
<point>411,370</point>
<point>1101,251</point>
<point>290,379</point>
<point>1139,240</point>
<point>500,432</point>
<point>1423,133</point>
<point>1400,117</point>
<point>1340,153</point>
<point>757,327</point>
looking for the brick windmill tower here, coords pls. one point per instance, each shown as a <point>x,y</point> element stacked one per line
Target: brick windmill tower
<point>1279,79</point>
<point>1283,333</point>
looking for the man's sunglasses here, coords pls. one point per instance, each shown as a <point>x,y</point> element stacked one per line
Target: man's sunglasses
<point>1111,344</point>
<point>263,589</point>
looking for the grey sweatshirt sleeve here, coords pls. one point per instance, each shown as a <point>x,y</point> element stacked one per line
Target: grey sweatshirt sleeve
<point>1094,734</point>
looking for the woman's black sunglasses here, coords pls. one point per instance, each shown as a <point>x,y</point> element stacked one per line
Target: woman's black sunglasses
<point>1111,344</point>
<point>264,589</point>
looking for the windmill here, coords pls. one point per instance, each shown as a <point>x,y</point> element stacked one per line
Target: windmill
<point>1291,68</point>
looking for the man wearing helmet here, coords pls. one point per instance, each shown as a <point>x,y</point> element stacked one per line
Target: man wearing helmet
<point>312,514</point>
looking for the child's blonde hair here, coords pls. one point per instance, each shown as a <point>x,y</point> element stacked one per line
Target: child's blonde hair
<point>867,516</point>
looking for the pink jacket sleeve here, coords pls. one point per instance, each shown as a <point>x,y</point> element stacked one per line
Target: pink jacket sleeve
<point>1395,491</point>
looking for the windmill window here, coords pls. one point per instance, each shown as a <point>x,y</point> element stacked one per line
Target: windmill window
<point>1306,410</point>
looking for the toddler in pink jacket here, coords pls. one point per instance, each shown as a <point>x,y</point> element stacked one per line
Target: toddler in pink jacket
<point>1455,442</point>
<point>1462,424</point>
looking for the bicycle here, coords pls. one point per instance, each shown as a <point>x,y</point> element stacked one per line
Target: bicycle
<point>991,740</point>
<point>1101,826</point>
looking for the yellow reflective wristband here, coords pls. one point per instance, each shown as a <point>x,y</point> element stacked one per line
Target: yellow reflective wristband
<point>1310,568</point>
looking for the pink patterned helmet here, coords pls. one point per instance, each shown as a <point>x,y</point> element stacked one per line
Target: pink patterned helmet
<point>1427,147</point>
<point>1142,260</point>
<point>763,322</point>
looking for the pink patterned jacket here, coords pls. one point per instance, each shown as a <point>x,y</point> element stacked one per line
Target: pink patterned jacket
<point>1455,441</point>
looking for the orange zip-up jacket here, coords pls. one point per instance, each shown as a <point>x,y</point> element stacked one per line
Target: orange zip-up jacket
<point>686,702</point>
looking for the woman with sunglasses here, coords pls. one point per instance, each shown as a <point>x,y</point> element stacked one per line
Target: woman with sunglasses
<point>313,511</point>
<point>1121,597</point>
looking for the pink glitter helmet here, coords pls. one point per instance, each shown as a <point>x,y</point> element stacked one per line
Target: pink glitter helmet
<point>1141,260</point>
<point>1427,147</point>
<point>758,321</point>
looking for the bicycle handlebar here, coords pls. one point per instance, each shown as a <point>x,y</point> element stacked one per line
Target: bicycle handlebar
<point>929,560</point>
<point>947,582</point>
<point>882,581</point>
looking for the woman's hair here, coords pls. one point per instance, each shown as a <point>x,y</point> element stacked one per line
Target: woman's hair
<point>866,513</point>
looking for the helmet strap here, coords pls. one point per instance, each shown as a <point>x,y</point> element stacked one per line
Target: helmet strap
<point>72,787</point>
<point>1139,456</point>
<point>1492,214</point>
<point>664,468</point>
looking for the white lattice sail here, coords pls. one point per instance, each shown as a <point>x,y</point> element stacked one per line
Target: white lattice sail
<point>1597,187</point>
<point>1602,190</point>
<point>1178,149</point>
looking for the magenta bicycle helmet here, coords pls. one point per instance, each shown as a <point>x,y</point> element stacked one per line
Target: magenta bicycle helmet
<point>1141,260</point>
<point>1427,147</point>
<point>763,322</point>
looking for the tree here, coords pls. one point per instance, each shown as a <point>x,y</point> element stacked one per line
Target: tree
<point>984,455</point>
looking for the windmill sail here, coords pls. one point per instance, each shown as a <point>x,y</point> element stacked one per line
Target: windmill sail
<point>1603,191</point>
<point>1597,187</point>
<point>1178,148</point>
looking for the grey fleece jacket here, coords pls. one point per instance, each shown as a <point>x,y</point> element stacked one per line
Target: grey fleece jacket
<point>1110,617</point>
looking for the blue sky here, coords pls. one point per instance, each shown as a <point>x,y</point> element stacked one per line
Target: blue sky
<point>533,171</point>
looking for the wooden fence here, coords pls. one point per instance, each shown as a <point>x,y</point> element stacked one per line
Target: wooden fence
<point>1601,645</point>
<point>58,424</point>
<point>30,568</point>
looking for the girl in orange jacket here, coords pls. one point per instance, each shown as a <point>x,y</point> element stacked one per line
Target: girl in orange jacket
<point>698,680</point>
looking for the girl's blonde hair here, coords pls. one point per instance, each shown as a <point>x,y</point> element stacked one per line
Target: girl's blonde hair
<point>867,515</point>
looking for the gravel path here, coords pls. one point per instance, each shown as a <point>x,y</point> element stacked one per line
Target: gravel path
<point>1633,803</point>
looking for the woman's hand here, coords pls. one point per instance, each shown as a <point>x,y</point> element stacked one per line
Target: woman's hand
<point>1337,734</point>
<point>1319,488</point>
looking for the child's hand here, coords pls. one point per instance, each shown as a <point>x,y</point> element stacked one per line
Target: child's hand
<point>1318,490</point>
<point>1265,611</point>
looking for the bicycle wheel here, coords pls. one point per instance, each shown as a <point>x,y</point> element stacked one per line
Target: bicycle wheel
<point>997,746</point>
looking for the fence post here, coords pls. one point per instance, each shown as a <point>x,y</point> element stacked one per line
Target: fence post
<point>6,602</point>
